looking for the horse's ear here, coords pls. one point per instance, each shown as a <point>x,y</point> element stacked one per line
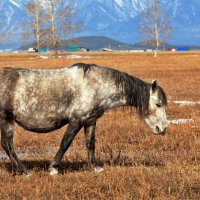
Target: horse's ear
<point>154,85</point>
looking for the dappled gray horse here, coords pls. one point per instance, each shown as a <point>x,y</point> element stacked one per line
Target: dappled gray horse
<point>43,100</point>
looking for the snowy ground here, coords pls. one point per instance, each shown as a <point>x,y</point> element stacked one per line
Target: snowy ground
<point>67,57</point>
<point>183,103</point>
<point>181,121</point>
<point>186,103</point>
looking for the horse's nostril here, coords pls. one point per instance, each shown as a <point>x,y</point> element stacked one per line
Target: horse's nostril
<point>157,129</point>
<point>165,130</point>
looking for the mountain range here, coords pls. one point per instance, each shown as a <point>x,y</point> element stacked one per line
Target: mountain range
<point>118,19</point>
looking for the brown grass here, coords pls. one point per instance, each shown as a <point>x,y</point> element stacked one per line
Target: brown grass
<point>138,165</point>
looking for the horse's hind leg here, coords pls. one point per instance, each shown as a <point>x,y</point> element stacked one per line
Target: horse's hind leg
<point>7,144</point>
<point>90,144</point>
<point>73,128</point>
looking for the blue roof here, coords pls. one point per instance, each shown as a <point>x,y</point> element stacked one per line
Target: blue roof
<point>73,48</point>
<point>43,50</point>
<point>182,48</point>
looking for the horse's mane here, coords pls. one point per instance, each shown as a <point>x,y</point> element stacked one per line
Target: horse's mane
<point>162,96</point>
<point>84,66</point>
<point>136,91</point>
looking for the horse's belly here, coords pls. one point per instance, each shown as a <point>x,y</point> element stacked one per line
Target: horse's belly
<point>40,120</point>
<point>41,125</point>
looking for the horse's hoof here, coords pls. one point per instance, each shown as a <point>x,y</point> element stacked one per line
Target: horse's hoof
<point>98,169</point>
<point>26,174</point>
<point>53,171</point>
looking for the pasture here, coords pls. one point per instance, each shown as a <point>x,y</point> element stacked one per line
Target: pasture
<point>138,164</point>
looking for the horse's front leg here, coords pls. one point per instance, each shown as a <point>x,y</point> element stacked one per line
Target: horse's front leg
<point>90,144</point>
<point>7,131</point>
<point>73,128</point>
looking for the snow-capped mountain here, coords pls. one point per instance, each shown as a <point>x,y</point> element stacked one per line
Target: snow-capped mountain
<point>119,19</point>
<point>185,19</point>
<point>9,10</point>
<point>116,18</point>
<point>11,13</point>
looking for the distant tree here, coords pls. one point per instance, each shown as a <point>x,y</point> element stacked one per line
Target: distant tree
<point>35,22</point>
<point>62,23</point>
<point>154,25</point>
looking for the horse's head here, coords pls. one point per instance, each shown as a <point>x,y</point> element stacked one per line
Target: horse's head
<point>156,117</point>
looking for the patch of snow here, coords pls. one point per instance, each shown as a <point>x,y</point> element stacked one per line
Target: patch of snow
<point>77,56</point>
<point>186,103</point>
<point>44,57</point>
<point>177,3</point>
<point>14,3</point>
<point>139,50</point>
<point>119,2</point>
<point>9,14</point>
<point>68,57</point>
<point>74,56</point>
<point>180,121</point>
<point>15,51</point>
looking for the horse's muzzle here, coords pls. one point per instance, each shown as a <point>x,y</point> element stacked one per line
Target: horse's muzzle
<point>161,132</point>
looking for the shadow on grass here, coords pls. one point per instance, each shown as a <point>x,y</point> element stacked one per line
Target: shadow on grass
<point>134,163</point>
<point>43,165</point>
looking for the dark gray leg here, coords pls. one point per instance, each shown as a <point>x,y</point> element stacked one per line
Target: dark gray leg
<point>90,144</point>
<point>7,144</point>
<point>72,130</point>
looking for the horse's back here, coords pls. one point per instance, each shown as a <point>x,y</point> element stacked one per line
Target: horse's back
<point>44,99</point>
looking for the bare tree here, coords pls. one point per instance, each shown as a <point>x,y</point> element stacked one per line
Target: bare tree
<point>61,15</point>
<point>155,27</point>
<point>35,22</point>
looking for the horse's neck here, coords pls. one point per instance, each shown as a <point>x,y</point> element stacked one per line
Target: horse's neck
<point>135,92</point>
<point>118,101</point>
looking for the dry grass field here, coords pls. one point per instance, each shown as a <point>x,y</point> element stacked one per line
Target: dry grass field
<point>138,164</point>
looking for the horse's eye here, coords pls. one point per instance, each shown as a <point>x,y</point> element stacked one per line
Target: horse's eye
<point>158,105</point>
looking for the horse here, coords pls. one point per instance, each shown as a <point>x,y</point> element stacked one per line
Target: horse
<point>43,100</point>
